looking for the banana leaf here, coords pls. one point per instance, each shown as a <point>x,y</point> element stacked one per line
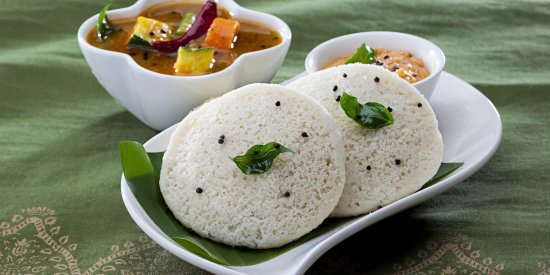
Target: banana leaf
<point>141,171</point>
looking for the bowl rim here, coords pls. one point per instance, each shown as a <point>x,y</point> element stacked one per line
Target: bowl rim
<point>433,73</point>
<point>232,7</point>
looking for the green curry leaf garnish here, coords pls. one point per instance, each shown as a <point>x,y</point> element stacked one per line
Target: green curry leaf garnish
<point>103,25</point>
<point>364,54</point>
<point>259,158</point>
<point>371,115</point>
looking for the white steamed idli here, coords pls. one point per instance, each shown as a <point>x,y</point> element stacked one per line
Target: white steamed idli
<point>208,193</point>
<point>382,165</point>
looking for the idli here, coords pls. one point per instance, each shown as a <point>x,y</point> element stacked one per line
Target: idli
<point>208,193</point>
<point>386,164</point>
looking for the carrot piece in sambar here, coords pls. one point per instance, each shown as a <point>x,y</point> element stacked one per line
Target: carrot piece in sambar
<point>221,33</point>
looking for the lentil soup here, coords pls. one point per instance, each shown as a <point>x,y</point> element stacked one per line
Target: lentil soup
<point>246,37</point>
<point>403,63</point>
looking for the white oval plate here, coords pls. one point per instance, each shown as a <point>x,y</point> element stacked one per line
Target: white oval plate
<point>471,129</point>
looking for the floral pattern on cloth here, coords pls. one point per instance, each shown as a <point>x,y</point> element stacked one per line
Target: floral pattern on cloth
<point>44,251</point>
<point>434,258</point>
<point>32,243</point>
<point>544,267</point>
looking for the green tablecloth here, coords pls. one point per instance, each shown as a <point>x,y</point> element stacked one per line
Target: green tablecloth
<point>60,204</point>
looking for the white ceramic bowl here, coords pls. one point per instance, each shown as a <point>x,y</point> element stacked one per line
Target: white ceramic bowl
<point>428,52</point>
<point>160,100</point>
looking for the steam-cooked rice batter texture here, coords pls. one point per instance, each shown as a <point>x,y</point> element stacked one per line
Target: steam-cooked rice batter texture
<point>206,191</point>
<point>382,165</point>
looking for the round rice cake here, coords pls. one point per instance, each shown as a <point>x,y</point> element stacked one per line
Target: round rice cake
<point>257,211</point>
<point>386,164</point>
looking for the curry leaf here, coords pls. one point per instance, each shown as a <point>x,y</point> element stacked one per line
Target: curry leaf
<point>103,25</point>
<point>371,115</point>
<point>259,158</point>
<point>364,54</point>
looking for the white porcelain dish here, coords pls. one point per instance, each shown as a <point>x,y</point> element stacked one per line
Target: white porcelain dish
<point>432,55</point>
<point>471,129</point>
<point>160,100</point>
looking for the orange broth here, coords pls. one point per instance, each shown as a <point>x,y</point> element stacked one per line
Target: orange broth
<point>253,36</point>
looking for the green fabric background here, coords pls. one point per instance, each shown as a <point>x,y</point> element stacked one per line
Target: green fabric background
<point>59,131</point>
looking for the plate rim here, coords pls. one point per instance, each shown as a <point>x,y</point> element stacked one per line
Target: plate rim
<point>330,239</point>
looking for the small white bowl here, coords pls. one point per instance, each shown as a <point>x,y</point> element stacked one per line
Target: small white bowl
<point>428,52</point>
<point>160,100</point>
